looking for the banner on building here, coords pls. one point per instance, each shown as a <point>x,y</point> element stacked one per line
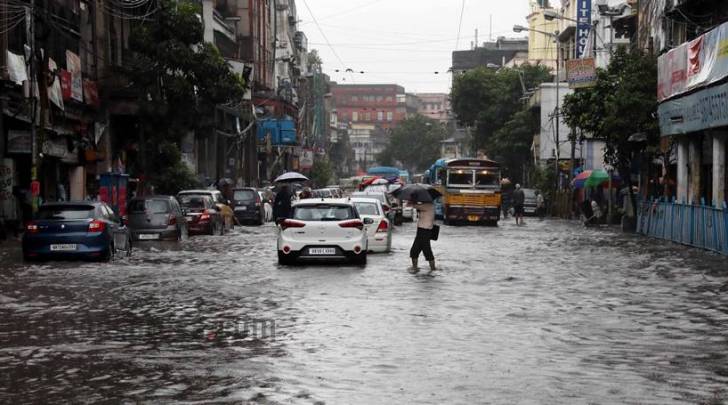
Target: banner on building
<point>18,142</point>
<point>73,63</point>
<point>16,68</point>
<point>55,93</point>
<point>307,159</point>
<point>581,73</point>
<point>91,93</point>
<point>694,64</point>
<point>583,27</point>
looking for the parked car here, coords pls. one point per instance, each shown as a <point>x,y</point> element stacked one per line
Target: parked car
<point>529,201</point>
<point>248,206</point>
<point>267,201</point>
<point>379,233</point>
<point>328,229</point>
<point>394,203</point>
<point>223,205</point>
<point>75,230</point>
<point>409,213</point>
<point>156,218</point>
<point>387,201</point>
<point>203,215</point>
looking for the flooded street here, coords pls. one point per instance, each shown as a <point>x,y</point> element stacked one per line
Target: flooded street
<point>547,313</point>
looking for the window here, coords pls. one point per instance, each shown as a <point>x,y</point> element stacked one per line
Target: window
<point>244,195</point>
<point>354,98</point>
<point>486,178</point>
<point>367,117</point>
<point>389,116</point>
<point>366,208</point>
<point>379,98</point>
<point>66,212</point>
<point>459,178</point>
<point>323,212</point>
<point>389,98</point>
<point>380,115</point>
<point>151,206</point>
<point>355,116</point>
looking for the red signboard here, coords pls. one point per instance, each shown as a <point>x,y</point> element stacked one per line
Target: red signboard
<point>35,188</point>
<point>65,83</point>
<point>90,92</point>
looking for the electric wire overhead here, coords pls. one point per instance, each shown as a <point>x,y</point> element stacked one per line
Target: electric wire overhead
<point>313,17</point>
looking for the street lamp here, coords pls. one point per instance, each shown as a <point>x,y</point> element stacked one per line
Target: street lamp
<point>555,36</point>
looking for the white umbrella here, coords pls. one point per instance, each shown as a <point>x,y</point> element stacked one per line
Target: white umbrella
<point>290,177</point>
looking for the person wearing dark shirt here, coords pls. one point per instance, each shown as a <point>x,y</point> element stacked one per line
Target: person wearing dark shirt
<point>518,199</point>
<point>282,204</point>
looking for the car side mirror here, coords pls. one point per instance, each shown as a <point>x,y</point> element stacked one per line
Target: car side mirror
<point>368,221</point>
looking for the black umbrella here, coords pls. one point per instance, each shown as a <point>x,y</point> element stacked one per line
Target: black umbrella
<point>421,193</point>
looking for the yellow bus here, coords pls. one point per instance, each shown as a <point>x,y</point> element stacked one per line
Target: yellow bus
<point>471,190</point>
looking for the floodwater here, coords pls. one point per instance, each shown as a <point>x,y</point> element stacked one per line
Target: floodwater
<point>546,313</point>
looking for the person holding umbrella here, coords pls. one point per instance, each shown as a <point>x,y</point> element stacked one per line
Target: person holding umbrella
<point>282,202</point>
<point>421,198</point>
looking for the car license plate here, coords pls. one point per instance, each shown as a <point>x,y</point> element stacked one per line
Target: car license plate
<point>472,218</point>
<point>64,247</point>
<point>322,251</point>
<point>148,236</point>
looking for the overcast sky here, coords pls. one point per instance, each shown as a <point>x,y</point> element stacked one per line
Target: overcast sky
<point>402,41</point>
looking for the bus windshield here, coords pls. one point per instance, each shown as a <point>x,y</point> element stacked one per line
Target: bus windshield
<point>487,178</point>
<point>460,178</point>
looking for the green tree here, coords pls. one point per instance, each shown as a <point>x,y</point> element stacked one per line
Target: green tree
<point>511,144</point>
<point>414,143</point>
<point>486,99</point>
<point>177,80</point>
<point>621,104</point>
<point>321,172</point>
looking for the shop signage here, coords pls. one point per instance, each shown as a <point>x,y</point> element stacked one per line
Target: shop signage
<point>705,109</point>
<point>55,147</point>
<point>7,181</point>
<point>55,94</point>
<point>16,68</point>
<point>694,64</point>
<point>583,27</point>
<point>581,73</point>
<point>19,142</point>
<point>91,93</point>
<point>65,77</point>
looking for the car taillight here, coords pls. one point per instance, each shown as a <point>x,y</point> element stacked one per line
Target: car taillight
<point>204,217</point>
<point>32,228</point>
<point>291,223</point>
<point>96,226</point>
<point>172,220</point>
<point>353,223</point>
<point>383,226</point>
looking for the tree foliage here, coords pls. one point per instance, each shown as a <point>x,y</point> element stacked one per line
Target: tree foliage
<point>177,79</point>
<point>511,144</point>
<point>414,143</point>
<point>321,172</point>
<point>486,99</point>
<point>621,104</point>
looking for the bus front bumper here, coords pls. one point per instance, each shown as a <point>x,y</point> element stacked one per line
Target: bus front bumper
<point>472,214</point>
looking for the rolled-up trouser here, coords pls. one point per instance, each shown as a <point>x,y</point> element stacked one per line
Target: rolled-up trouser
<point>422,244</point>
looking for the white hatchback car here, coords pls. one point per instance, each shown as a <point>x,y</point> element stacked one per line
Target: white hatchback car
<point>379,231</point>
<point>323,229</point>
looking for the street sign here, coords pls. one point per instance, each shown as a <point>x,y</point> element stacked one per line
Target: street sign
<point>583,27</point>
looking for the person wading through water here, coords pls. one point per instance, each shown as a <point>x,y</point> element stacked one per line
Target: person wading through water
<point>282,204</point>
<point>425,223</point>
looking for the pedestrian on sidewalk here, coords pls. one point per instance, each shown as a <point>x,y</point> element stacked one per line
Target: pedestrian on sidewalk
<point>518,199</point>
<point>421,244</point>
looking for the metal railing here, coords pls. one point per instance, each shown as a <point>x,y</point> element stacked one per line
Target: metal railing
<point>701,226</point>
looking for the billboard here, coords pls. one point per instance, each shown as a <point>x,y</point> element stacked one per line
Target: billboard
<point>581,73</point>
<point>694,64</point>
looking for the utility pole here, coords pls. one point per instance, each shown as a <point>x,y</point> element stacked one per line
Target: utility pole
<point>30,34</point>
<point>557,115</point>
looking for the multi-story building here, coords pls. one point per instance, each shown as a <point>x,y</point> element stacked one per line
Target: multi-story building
<point>490,54</point>
<point>691,91</point>
<point>383,105</point>
<point>435,106</point>
<point>541,48</point>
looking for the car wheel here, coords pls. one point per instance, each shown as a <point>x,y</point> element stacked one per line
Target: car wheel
<point>360,259</point>
<point>285,260</point>
<point>109,254</point>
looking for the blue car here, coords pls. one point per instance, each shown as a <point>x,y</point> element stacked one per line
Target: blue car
<point>81,229</point>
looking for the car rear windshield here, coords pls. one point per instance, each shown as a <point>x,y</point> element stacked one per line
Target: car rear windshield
<point>323,212</point>
<point>66,212</point>
<point>244,195</point>
<point>193,200</point>
<point>149,206</point>
<point>529,193</point>
<point>378,196</point>
<point>367,208</point>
